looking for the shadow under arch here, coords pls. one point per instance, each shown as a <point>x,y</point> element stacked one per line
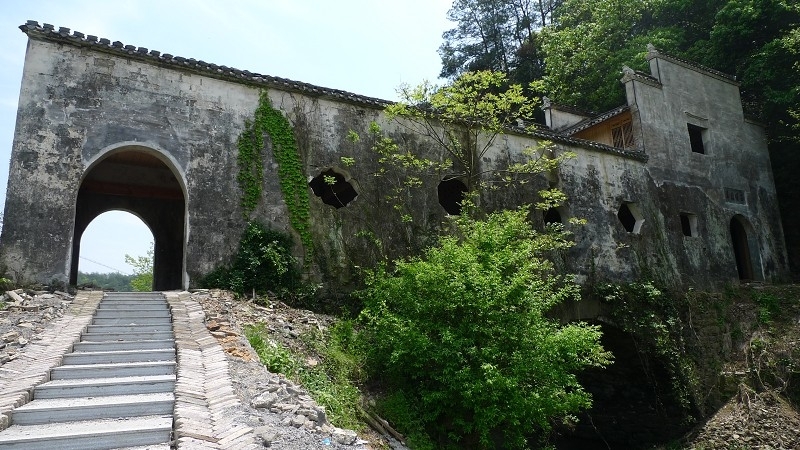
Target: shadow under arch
<point>146,183</point>
<point>745,249</point>
<point>634,404</point>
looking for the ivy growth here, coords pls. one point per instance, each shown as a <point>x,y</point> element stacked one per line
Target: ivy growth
<point>290,169</point>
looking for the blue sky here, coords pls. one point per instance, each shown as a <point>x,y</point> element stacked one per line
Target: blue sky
<point>368,47</point>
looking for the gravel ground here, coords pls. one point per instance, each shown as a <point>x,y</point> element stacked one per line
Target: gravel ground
<point>24,315</point>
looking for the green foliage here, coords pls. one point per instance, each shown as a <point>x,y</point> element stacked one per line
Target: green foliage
<point>591,41</point>
<point>492,35</point>
<point>268,120</point>
<point>264,262</point>
<point>768,307</point>
<point>462,332</point>
<point>114,281</point>
<point>142,280</point>
<point>651,315</point>
<point>331,383</point>
<point>464,118</point>
<point>274,356</point>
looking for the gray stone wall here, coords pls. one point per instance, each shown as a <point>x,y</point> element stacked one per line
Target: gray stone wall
<point>80,103</point>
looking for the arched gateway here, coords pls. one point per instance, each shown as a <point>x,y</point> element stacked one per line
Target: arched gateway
<point>143,182</point>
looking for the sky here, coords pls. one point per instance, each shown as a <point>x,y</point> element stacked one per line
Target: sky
<point>368,47</point>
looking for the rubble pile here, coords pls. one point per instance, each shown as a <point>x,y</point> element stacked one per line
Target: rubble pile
<point>24,314</point>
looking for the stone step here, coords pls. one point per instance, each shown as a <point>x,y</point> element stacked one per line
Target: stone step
<point>128,328</point>
<point>114,345</point>
<point>131,321</point>
<point>119,356</point>
<point>113,314</point>
<point>96,387</point>
<point>123,336</point>
<point>134,369</point>
<point>119,306</point>
<point>53,410</point>
<point>90,435</point>
<point>131,299</point>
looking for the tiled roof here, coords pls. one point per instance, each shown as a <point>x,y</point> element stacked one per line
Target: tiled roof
<point>584,124</point>
<point>48,32</point>
<point>76,38</point>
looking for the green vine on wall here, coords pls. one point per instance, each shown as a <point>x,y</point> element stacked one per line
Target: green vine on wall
<point>290,168</point>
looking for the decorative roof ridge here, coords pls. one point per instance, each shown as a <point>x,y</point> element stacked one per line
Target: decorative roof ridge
<point>63,34</point>
<point>629,74</point>
<point>592,121</point>
<point>652,52</point>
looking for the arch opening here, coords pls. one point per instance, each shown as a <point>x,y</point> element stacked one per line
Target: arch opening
<point>745,249</point>
<point>102,262</point>
<point>137,180</point>
<point>634,404</point>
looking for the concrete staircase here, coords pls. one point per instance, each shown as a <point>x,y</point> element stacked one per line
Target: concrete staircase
<point>116,388</point>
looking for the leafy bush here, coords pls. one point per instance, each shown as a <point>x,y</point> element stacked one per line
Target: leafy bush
<point>462,333</point>
<point>276,358</point>
<point>263,263</point>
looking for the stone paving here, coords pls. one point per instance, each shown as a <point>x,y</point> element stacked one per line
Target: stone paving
<point>32,367</point>
<point>207,411</point>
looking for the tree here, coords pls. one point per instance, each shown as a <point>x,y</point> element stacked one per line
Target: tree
<point>465,117</point>
<point>589,43</point>
<point>142,280</point>
<point>463,332</point>
<point>490,34</point>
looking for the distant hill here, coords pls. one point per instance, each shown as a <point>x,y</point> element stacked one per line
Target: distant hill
<point>106,281</point>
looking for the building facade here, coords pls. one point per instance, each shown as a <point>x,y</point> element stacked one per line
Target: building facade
<point>674,185</point>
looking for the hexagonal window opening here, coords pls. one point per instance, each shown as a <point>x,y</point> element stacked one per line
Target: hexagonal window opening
<point>451,195</point>
<point>333,188</point>
<point>630,217</point>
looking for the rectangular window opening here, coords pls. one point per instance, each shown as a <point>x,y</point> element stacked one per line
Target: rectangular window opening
<point>689,224</point>
<point>623,135</point>
<point>696,139</point>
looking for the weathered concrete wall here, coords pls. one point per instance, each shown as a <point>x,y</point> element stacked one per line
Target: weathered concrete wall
<point>679,94</point>
<point>82,101</point>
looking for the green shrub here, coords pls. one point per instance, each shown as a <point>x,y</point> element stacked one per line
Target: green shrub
<point>768,307</point>
<point>264,262</point>
<point>462,332</point>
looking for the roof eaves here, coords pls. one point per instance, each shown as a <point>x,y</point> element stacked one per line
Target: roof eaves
<point>588,123</point>
<point>583,143</point>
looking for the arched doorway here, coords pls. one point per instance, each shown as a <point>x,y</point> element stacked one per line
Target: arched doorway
<point>103,261</point>
<point>745,249</point>
<point>142,181</point>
